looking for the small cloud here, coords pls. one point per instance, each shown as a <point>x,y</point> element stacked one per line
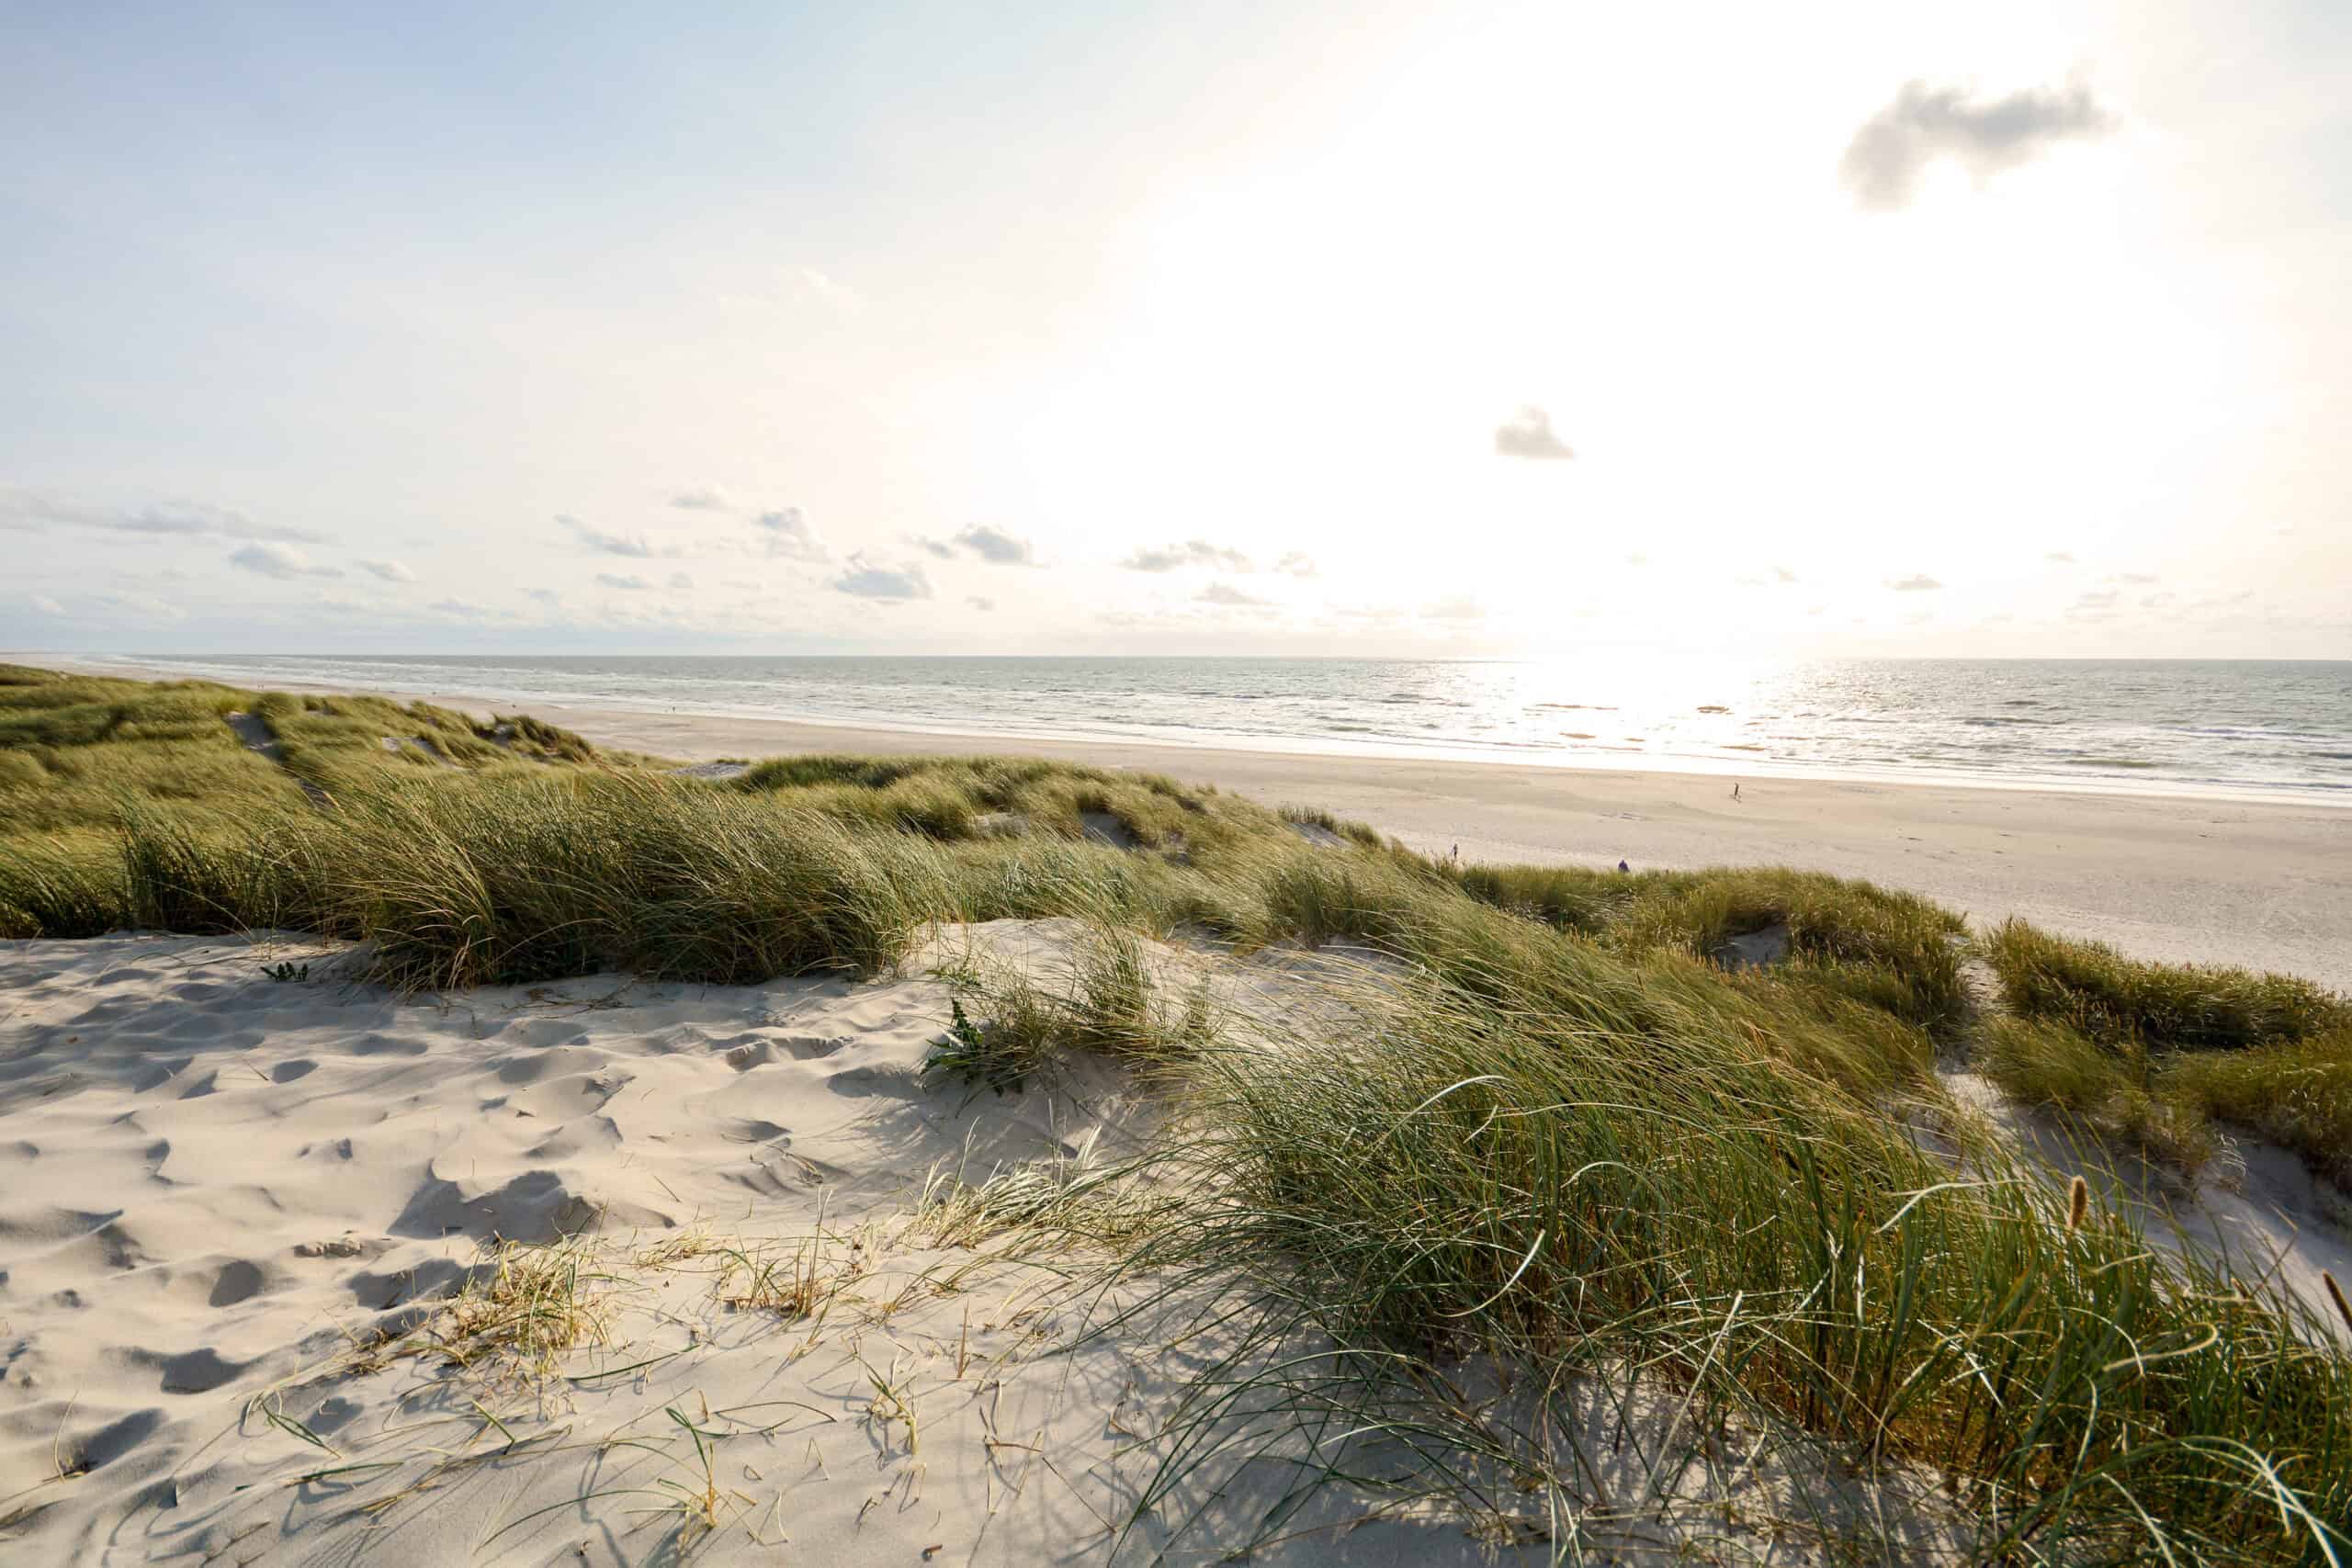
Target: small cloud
<point>1783,574</point>
<point>279,560</point>
<point>1297,563</point>
<point>997,547</point>
<point>30,509</point>
<point>1226,593</point>
<point>2091,603</point>
<point>546,595</point>
<point>46,605</point>
<point>390,571</point>
<point>1816,609</point>
<point>1988,136</point>
<point>1917,582</point>
<point>787,536</point>
<point>940,549</point>
<point>2138,579</point>
<point>710,498</point>
<point>1369,611</point>
<point>1528,433</point>
<point>632,584</point>
<point>464,610</point>
<point>635,546</point>
<point>865,580</point>
<point>680,580</point>
<point>1637,558</point>
<point>980,601</point>
<point>1458,607</point>
<point>1192,552</point>
<point>2060,557</point>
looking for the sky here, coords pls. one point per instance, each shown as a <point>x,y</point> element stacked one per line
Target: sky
<point>1464,328</point>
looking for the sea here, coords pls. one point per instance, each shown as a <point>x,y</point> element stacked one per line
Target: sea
<point>2242,728</point>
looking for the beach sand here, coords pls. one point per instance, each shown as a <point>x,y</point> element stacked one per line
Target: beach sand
<point>232,1206</point>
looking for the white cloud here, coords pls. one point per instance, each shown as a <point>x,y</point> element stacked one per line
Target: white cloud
<point>980,601</point>
<point>1894,148</point>
<point>939,548</point>
<point>1192,552</point>
<point>45,604</point>
<point>632,584</point>
<point>279,560</point>
<point>681,581</point>
<point>546,595</point>
<point>466,610</point>
<point>707,498</point>
<point>1456,607</point>
<point>997,547</point>
<point>1226,593</point>
<point>635,546</point>
<point>31,508</point>
<point>2138,579</point>
<point>2061,557</point>
<point>787,536</point>
<point>1917,582</point>
<point>390,571</point>
<point>1297,563</point>
<point>1528,433</point>
<point>866,580</point>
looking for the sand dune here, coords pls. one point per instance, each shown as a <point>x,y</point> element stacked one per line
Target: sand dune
<point>227,1197</point>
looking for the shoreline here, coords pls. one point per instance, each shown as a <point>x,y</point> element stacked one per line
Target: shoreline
<point>2261,883</point>
<point>1602,759</point>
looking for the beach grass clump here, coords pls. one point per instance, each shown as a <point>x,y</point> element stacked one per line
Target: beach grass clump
<point>2298,1096</point>
<point>2119,1001</point>
<point>1013,1023</point>
<point>73,749</point>
<point>2123,1098</point>
<point>1655,1200</point>
<point>64,885</point>
<point>1891,950</point>
<point>1363,834</point>
<point>477,881</point>
<point>955,798</point>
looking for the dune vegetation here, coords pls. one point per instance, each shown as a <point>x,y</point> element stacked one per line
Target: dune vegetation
<point>1568,1139</point>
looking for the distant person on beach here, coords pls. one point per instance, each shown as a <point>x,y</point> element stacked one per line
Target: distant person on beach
<point>1735,791</point>
<point>1622,866</point>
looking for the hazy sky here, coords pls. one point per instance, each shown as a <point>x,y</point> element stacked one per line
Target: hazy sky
<point>1457,328</point>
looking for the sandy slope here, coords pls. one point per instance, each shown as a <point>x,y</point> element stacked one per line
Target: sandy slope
<point>222,1195</point>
